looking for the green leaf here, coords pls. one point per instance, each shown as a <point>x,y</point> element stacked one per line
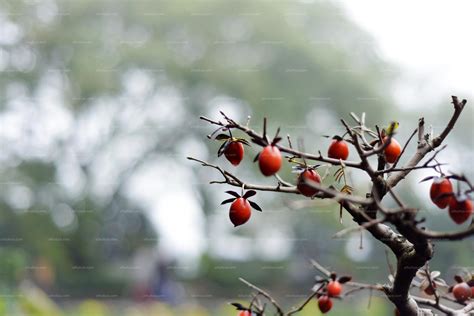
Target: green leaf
<point>228,201</point>
<point>255,206</point>
<point>239,306</point>
<point>428,178</point>
<point>256,157</point>
<point>223,148</point>
<point>237,195</point>
<point>243,141</point>
<point>249,194</point>
<point>458,278</point>
<point>222,137</point>
<point>344,279</point>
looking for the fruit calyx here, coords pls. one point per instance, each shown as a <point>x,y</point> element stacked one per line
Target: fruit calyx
<point>240,209</point>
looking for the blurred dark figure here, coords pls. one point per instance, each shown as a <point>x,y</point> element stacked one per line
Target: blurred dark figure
<point>154,278</point>
<point>164,286</point>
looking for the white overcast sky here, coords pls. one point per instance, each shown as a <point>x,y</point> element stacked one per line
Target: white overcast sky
<point>431,41</point>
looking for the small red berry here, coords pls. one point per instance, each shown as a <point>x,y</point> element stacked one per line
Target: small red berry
<point>304,177</point>
<point>269,160</point>
<point>441,186</point>
<point>325,304</point>
<point>338,149</point>
<point>462,292</point>
<point>392,151</point>
<point>472,291</point>
<point>239,211</point>
<point>245,313</point>
<point>234,152</point>
<point>460,209</point>
<point>334,288</point>
<point>430,290</point>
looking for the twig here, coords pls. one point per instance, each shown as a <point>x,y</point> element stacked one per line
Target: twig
<point>432,303</point>
<point>306,302</point>
<point>324,193</point>
<point>359,227</point>
<point>233,180</point>
<point>320,268</point>
<point>364,162</point>
<point>283,182</point>
<point>431,282</point>
<point>389,265</point>
<point>411,245</point>
<point>435,235</point>
<point>425,147</point>
<point>259,139</point>
<point>264,294</point>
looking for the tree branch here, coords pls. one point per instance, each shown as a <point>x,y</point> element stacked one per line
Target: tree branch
<point>259,139</point>
<point>425,146</point>
<point>410,244</point>
<point>324,193</point>
<point>266,295</point>
<point>306,302</point>
<point>432,303</point>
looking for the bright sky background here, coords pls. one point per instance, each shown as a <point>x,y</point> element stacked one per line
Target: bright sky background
<point>431,41</point>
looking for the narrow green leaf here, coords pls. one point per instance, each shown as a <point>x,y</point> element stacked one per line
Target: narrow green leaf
<point>222,137</point>
<point>255,206</point>
<point>233,193</point>
<point>228,201</point>
<point>249,194</point>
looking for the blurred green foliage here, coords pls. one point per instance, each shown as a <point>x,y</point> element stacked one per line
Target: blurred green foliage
<point>39,305</point>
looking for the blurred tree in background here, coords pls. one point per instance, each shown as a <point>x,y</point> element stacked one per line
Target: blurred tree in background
<point>99,106</point>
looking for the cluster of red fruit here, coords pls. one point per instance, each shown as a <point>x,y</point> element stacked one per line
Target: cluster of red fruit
<point>333,289</point>
<point>270,162</point>
<point>442,195</point>
<point>270,158</point>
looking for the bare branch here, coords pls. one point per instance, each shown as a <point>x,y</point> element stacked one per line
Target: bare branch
<point>260,139</point>
<point>446,235</point>
<point>424,147</point>
<point>432,303</point>
<point>468,308</point>
<point>324,193</point>
<point>362,286</point>
<point>458,107</point>
<point>320,268</point>
<point>432,284</point>
<point>362,155</point>
<point>264,294</point>
<point>410,244</point>
<point>306,302</point>
<point>389,265</point>
<point>359,227</point>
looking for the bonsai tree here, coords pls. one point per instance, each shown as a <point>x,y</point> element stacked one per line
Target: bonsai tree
<point>399,228</point>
